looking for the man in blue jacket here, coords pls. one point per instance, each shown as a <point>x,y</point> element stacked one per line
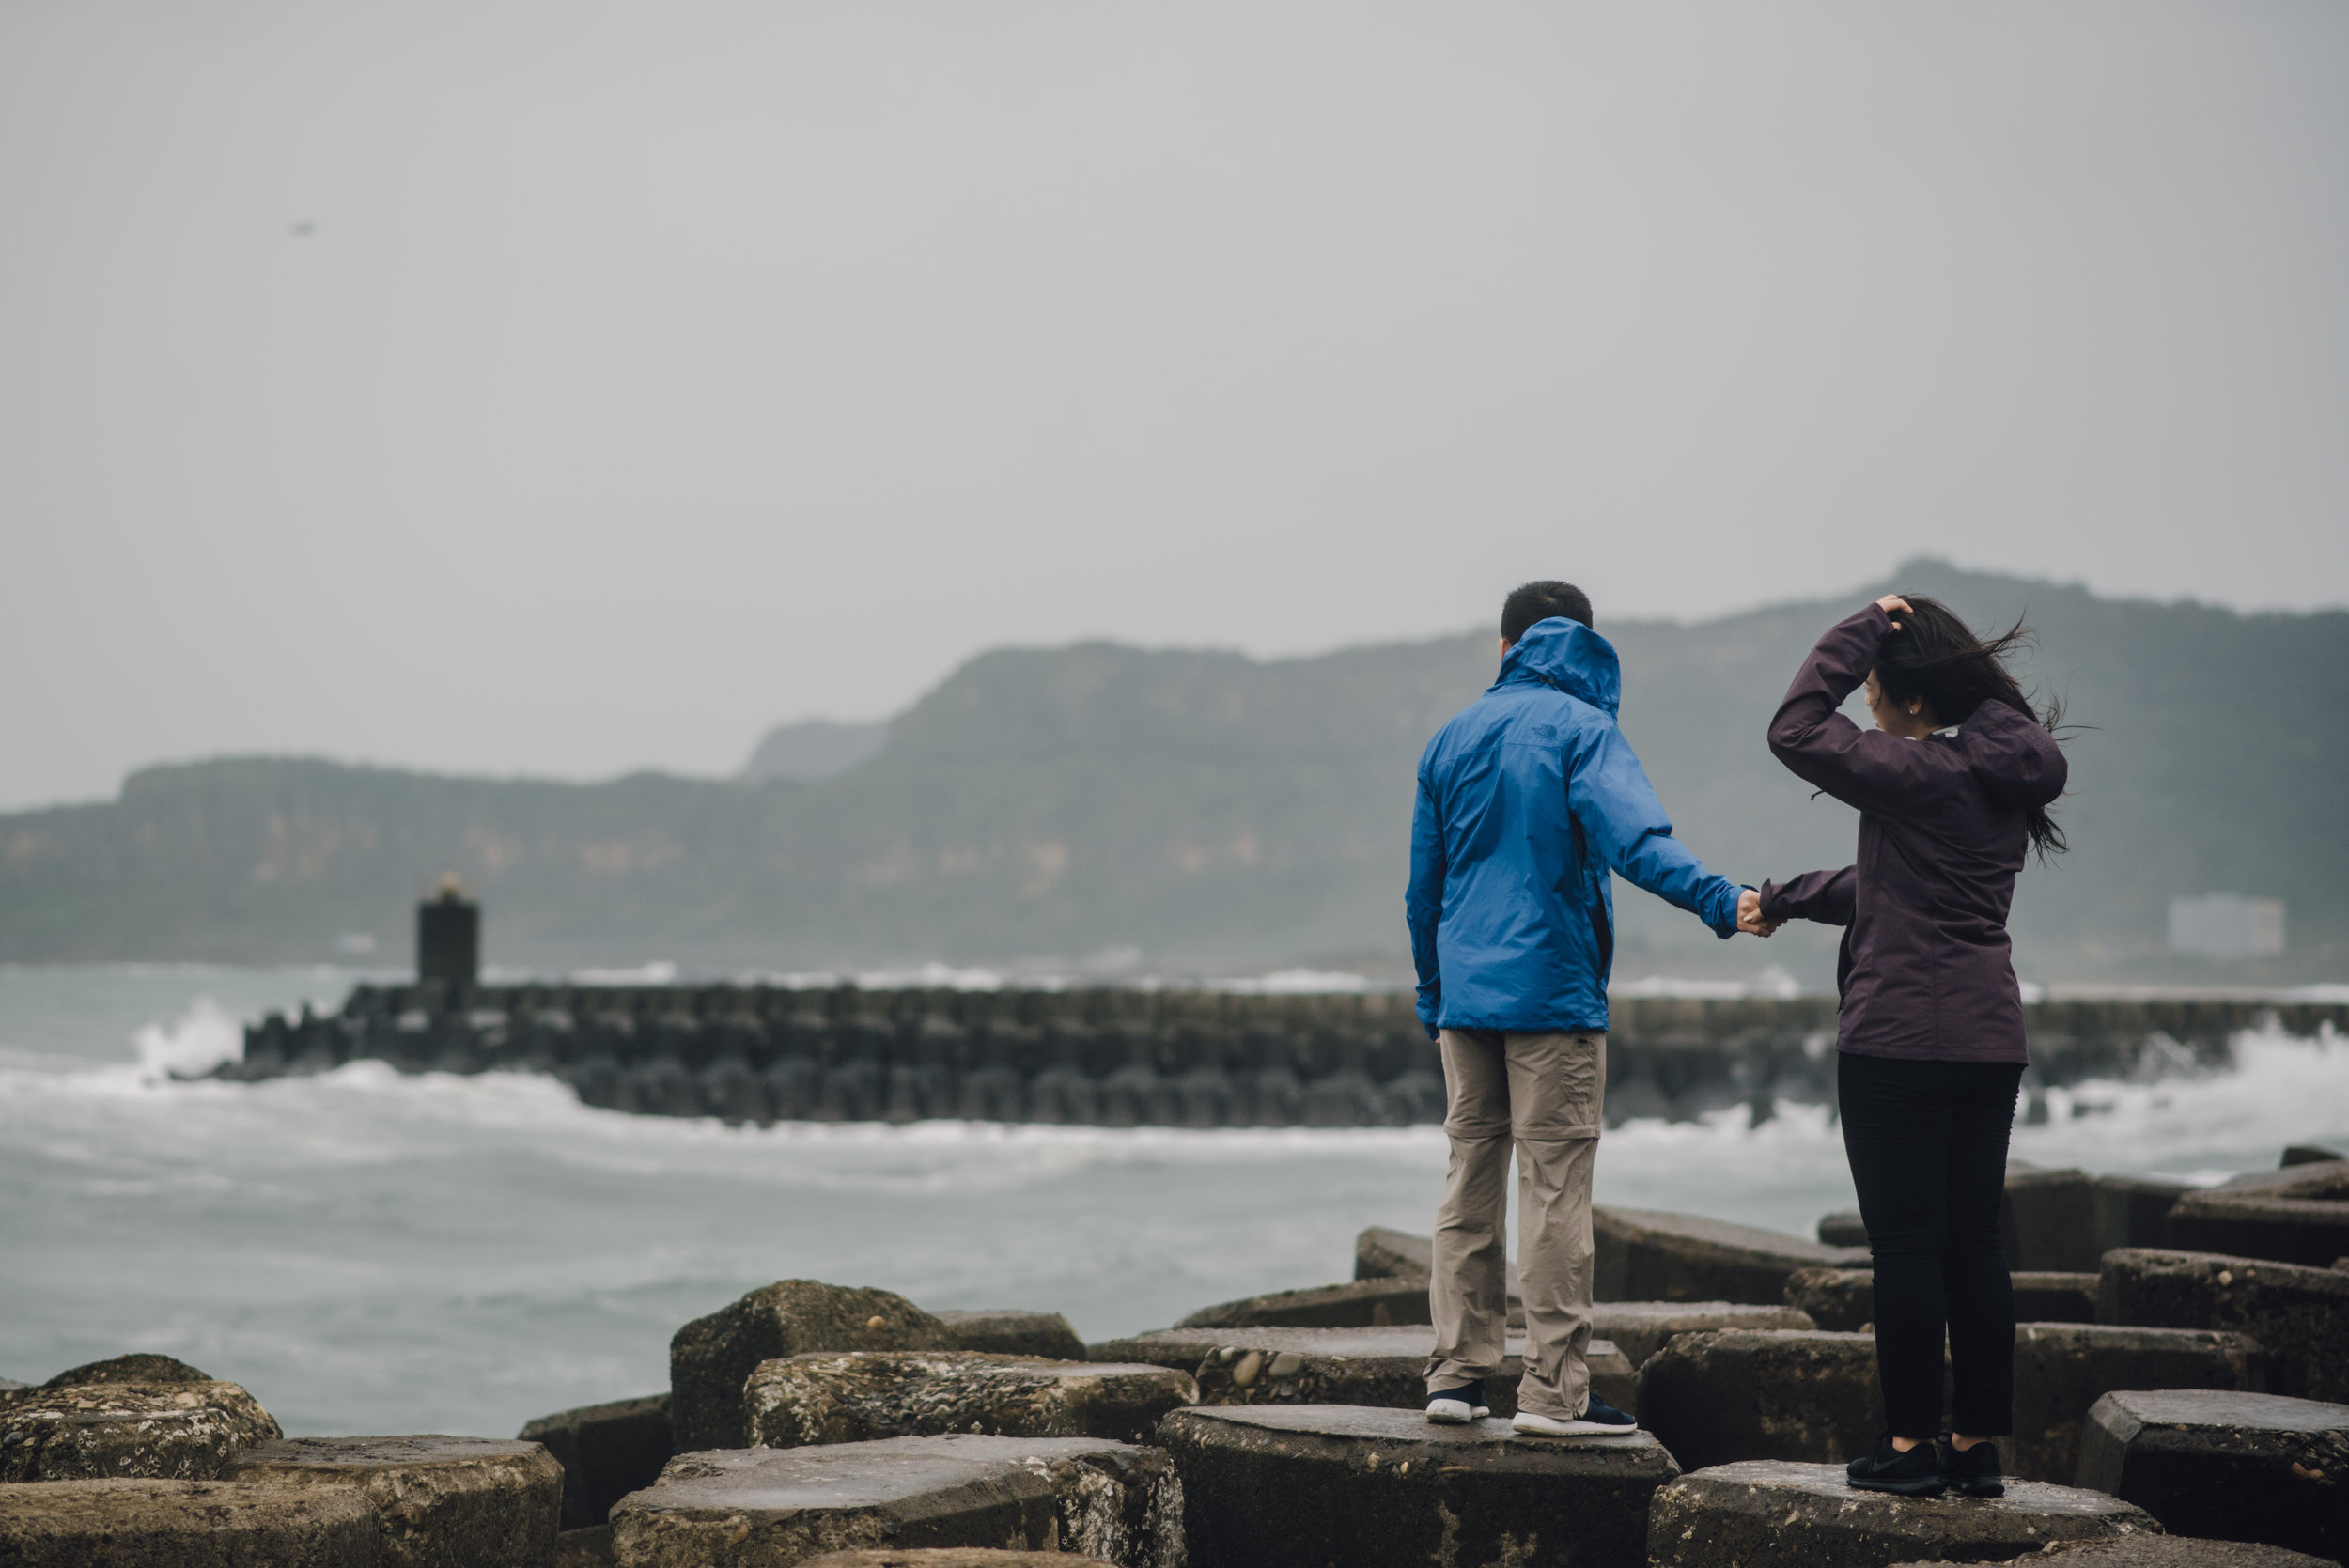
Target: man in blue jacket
<point>1527,799</point>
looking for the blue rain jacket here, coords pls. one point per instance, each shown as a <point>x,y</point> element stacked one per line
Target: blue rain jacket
<point>1527,799</point>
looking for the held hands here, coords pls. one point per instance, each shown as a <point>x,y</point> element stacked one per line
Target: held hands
<point>1750,919</point>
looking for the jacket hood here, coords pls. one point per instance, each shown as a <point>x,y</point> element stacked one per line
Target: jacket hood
<point>1572,658</point>
<point>2017,761</point>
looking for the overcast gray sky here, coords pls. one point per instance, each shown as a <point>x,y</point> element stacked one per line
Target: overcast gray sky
<point>559,388</point>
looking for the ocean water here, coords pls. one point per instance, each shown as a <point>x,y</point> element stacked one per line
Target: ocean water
<point>373,1253</point>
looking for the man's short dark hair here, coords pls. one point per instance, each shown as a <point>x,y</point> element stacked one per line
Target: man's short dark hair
<point>1539,601</point>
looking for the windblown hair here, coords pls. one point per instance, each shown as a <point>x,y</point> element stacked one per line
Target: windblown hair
<point>1538,602</point>
<point>1938,658</point>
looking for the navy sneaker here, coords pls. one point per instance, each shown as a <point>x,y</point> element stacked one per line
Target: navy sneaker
<point>1598,1419</point>
<point>1973,1472</point>
<point>1914,1474</point>
<point>1454,1406</point>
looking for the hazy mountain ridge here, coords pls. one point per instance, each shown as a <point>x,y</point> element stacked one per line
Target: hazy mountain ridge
<point>1206,808</point>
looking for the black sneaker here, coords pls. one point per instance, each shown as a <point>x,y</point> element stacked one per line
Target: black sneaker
<point>1914,1474</point>
<point>1973,1472</point>
<point>1454,1407</point>
<point>1598,1419</point>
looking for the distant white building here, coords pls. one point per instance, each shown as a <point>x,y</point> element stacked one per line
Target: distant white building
<point>2227,925</point>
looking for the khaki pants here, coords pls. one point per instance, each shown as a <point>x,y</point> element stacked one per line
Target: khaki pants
<point>1545,1094</point>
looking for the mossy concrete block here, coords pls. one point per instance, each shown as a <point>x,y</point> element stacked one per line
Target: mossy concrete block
<point>1376,1303</point>
<point>868,1394</point>
<point>710,1357</point>
<point>1014,1331</point>
<point>1318,1483</point>
<point>952,1556</point>
<point>186,1524</point>
<point>1735,1395</point>
<point>1840,1300</point>
<point>1770,1513</point>
<point>2134,1211</point>
<point>1382,1368</point>
<point>2063,1368</point>
<point>139,1367</point>
<point>156,1431</point>
<point>774,1508</point>
<point>1844,1228</point>
<point>606,1451</point>
<point>2299,1316</point>
<point>2161,1551</point>
<point>2049,1221</point>
<point>1640,1328</point>
<point>2298,1215</point>
<point>443,1502</point>
<point>1648,1255</point>
<point>2235,1467</point>
<point>1843,1299</point>
<point>1380,1253</point>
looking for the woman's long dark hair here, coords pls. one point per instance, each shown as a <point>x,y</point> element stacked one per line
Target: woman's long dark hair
<point>1938,658</point>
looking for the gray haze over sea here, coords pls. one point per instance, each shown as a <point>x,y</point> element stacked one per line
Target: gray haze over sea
<point>373,1253</point>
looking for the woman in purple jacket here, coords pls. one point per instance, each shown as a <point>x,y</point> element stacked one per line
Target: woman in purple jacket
<point>1953,789</point>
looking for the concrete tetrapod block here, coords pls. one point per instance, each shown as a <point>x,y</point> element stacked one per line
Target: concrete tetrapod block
<point>186,1524</point>
<point>1737,1393</point>
<point>866,1395</point>
<point>1770,1513</point>
<point>2134,1211</point>
<point>1357,1304</point>
<point>2299,1316</point>
<point>2161,1551</point>
<point>952,1556</point>
<point>1380,1253</point>
<point>2063,1368</point>
<point>1640,1328</point>
<point>1647,1256</point>
<point>2297,1215</point>
<point>139,1367</point>
<point>772,1507</point>
<point>606,1451</point>
<point>710,1357</point>
<point>441,1502</point>
<point>1844,1228</point>
<point>1843,1299</point>
<point>2049,1219</point>
<point>1014,1331</point>
<point>157,1431</point>
<point>1380,1368</point>
<point>1285,1485</point>
<point>2233,1467</point>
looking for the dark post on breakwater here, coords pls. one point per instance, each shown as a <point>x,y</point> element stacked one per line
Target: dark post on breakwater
<point>448,939</point>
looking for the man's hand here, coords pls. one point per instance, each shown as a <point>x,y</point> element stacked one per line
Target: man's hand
<point>1750,919</point>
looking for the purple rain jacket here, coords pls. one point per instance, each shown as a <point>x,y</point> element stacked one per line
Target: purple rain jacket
<point>1926,971</point>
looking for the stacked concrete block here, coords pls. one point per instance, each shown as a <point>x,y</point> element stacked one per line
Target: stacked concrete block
<point>766,1508</point>
<point>1725,1395</point>
<point>1014,1331</point>
<point>185,1523</point>
<point>1780,1514</point>
<point>606,1451</point>
<point>2299,1316</point>
<point>1372,1303</point>
<point>2063,1368</point>
<point>801,1401</point>
<point>85,1430</point>
<point>1288,1485</point>
<point>2243,1467</point>
<point>2296,1215</point>
<point>438,1502</point>
<point>711,1357</point>
<point>1647,1256</point>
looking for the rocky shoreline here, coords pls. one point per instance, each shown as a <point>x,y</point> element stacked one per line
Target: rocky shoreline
<point>2190,1408</point>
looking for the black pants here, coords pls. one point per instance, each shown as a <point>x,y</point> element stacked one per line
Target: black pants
<point>1927,1145</point>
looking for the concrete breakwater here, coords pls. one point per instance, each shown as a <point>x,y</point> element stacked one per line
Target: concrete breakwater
<point>1112,1057</point>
